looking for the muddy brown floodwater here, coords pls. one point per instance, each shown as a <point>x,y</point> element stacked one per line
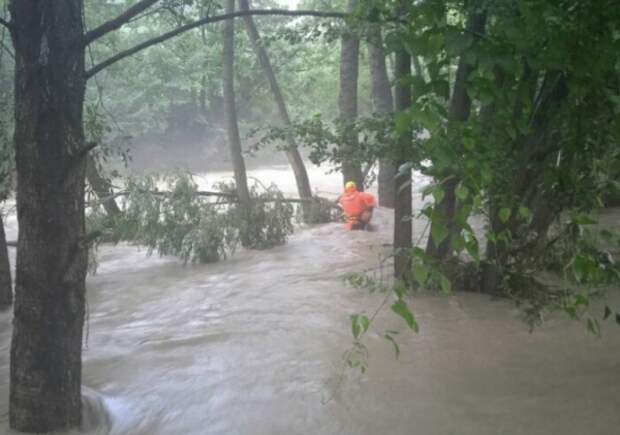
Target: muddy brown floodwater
<point>254,345</point>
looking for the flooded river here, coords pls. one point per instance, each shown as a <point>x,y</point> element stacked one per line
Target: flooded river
<point>253,345</point>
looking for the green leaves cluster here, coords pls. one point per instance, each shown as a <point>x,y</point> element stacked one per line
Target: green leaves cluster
<point>178,221</point>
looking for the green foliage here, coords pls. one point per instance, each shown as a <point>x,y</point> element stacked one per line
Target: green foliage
<point>377,134</point>
<point>181,222</point>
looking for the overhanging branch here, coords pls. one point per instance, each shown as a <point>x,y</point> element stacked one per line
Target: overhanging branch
<point>208,20</point>
<point>118,22</point>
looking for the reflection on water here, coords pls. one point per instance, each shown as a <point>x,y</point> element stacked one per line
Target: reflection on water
<point>253,345</point>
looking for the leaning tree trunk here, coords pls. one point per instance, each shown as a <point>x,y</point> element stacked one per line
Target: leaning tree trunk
<point>46,349</point>
<point>292,152</point>
<point>384,103</point>
<point>232,126</point>
<point>403,206</point>
<point>102,188</point>
<point>347,102</point>
<point>460,108</point>
<point>6,286</point>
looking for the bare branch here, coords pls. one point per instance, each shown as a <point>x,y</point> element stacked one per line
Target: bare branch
<point>118,22</point>
<point>207,20</point>
<point>7,50</point>
<point>6,24</point>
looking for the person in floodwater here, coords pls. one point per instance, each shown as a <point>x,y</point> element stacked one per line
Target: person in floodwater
<point>357,207</point>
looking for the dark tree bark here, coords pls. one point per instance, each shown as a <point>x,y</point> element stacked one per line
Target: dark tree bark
<point>347,102</point>
<point>46,364</point>
<point>6,285</point>
<point>102,188</point>
<point>384,103</point>
<point>403,206</point>
<point>460,108</point>
<point>292,152</point>
<point>232,126</point>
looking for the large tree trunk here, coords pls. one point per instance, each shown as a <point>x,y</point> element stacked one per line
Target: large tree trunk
<point>232,126</point>
<point>384,103</point>
<point>347,102</point>
<point>46,349</point>
<point>460,108</point>
<point>6,286</point>
<point>102,188</point>
<point>292,152</point>
<point>403,206</point>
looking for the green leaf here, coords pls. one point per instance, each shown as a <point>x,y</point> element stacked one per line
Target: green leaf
<point>458,243</point>
<point>473,249</point>
<point>462,192</point>
<point>583,219</point>
<point>439,232</point>
<point>446,285</point>
<point>402,121</point>
<point>355,326</point>
<point>401,308</point>
<point>582,267</point>
<point>504,214</point>
<point>359,325</point>
<point>439,194</point>
<point>582,300</point>
<point>420,273</point>
<point>428,190</point>
<point>396,347</point>
<point>525,213</point>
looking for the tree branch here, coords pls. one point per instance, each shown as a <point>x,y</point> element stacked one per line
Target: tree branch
<point>207,20</point>
<point>6,24</point>
<point>7,50</point>
<point>118,22</point>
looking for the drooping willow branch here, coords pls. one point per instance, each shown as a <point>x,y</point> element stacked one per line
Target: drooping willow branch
<point>201,22</point>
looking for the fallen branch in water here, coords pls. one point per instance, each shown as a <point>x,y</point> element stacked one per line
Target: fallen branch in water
<point>231,196</point>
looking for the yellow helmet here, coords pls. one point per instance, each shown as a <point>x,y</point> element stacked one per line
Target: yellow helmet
<point>350,186</point>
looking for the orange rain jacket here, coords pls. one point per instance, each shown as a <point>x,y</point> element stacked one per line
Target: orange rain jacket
<point>354,204</point>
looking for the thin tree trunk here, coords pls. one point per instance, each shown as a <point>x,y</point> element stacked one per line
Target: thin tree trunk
<point>460,108</point>
<point>46,349</point>
<point>230,109</point>
<point>403,206</point>
<point>292,152</point>
<point>102,187</point>
<point>347,102</point>
<point>384,103</point>
<point>6,285</point>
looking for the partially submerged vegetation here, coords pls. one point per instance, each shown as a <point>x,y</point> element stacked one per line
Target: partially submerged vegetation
<point>512,108</point>
<point>171,216</point>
